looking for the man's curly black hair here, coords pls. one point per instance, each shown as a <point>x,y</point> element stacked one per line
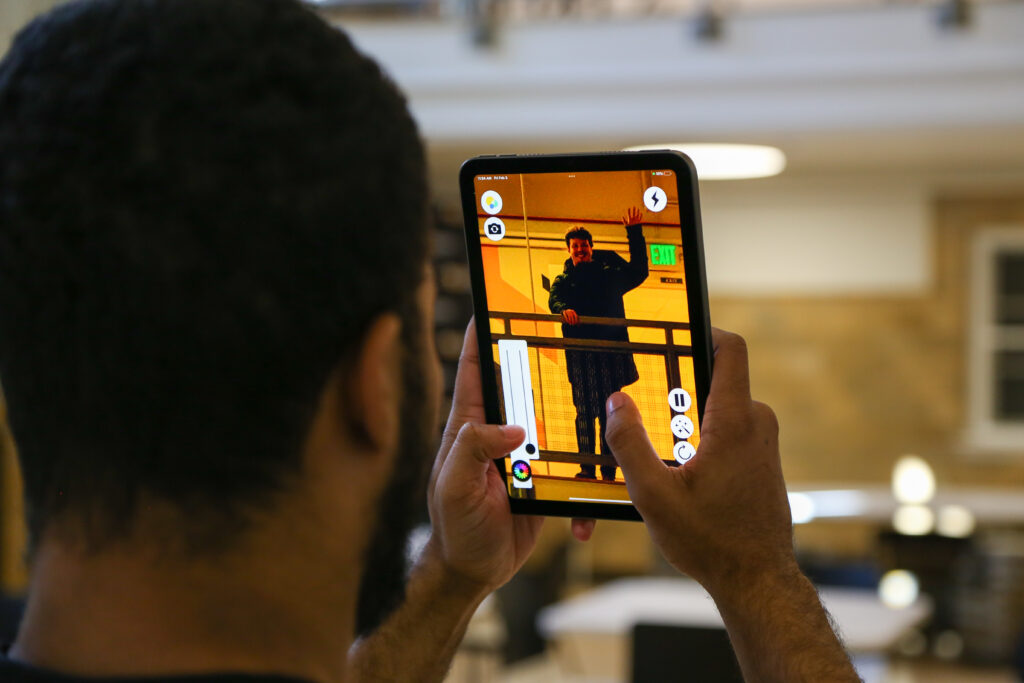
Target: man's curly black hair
<point>578,233</point>
<point>203,204</point>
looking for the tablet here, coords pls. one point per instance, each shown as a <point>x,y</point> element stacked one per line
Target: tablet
<point>587,278</point>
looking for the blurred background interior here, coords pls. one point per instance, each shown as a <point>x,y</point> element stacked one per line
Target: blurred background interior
<point>878,277</point>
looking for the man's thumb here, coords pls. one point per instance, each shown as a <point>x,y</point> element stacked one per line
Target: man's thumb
<point>631,446</point>
<point>478,444</point>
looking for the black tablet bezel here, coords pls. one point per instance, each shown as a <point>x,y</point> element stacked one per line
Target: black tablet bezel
<point>693,266</point>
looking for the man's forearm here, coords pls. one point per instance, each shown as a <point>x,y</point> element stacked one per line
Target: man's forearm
<point>418,641</point>
<point>780,631</point>
<point>638,261</point>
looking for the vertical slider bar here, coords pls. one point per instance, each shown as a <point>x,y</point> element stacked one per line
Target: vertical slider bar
<point>519,410</point>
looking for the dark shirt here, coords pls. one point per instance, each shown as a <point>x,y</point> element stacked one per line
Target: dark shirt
<point>15,672</point>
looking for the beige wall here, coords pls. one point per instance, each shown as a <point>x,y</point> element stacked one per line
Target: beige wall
<point>858,381</point>
<point>16,13</point>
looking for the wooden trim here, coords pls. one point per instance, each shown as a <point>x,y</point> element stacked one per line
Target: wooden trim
<point>13,573</point>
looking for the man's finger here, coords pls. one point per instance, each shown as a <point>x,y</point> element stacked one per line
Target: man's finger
<point>467,402</point>
<point>730,381</point>
<point>582,529</point>
<point>478,444</point>
<point>631,446</point>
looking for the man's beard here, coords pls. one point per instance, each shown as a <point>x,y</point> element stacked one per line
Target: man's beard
<point>384,573</point>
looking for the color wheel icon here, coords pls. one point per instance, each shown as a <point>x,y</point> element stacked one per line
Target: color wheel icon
<point>521,470</point>
<point>491,202</point>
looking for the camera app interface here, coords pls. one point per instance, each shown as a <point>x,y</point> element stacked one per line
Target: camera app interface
<point>586,295</point>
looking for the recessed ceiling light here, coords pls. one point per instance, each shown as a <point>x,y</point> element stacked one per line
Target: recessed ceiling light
<point>715,161</point>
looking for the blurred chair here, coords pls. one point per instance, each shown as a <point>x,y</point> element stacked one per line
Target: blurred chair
<point>987,600</point>
<point>10,616</point>
<point>668,652</point>
<point>936,561</point>
<point>541,582</point>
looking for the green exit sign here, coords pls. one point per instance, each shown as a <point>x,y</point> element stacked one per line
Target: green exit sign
<point>663,254</point>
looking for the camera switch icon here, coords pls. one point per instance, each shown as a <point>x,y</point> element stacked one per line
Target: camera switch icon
<point>494,228</point>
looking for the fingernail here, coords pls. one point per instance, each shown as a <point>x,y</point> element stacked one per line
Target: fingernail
<point>512,431</point>
<point>615,401</point>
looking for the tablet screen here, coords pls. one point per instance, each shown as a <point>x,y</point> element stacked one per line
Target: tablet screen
<point>586,295</point>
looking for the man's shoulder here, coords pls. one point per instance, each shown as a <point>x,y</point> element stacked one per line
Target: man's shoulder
<point>562,277</point>
<point>16,672</point>
<point>607,257</point>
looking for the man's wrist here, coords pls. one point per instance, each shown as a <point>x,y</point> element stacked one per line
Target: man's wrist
<point>440,577</point>
<point>779,628</point>
<point>731,588</point>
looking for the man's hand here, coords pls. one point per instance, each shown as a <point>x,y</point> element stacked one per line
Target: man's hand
<point>476,544</point>
<point>633,216</point>
<point>726,510</point>
<point>474,530</point>
<point>570,317</point>
<point>723,518</point>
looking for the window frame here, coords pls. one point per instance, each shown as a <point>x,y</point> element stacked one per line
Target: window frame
<point>986,337</point>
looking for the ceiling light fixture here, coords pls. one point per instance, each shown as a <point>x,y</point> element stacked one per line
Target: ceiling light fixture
<point>913,481</point>
<point>719,161</point>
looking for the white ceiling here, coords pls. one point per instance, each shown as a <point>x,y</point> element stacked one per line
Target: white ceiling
<point>876,86</point>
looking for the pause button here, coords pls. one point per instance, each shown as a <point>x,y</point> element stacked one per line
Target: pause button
<point>679,400</point>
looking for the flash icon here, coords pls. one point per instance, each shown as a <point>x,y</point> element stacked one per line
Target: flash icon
<point>655,199</point>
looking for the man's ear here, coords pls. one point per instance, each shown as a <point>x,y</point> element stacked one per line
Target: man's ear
<point>372,388</point>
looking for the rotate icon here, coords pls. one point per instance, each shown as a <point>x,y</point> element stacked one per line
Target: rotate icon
<point>683,451</point>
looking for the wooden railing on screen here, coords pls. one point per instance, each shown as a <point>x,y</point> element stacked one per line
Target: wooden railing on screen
<point>668,349</point>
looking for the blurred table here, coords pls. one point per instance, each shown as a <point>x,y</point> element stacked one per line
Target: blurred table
<point>589,634</point>
<point>542,669</point>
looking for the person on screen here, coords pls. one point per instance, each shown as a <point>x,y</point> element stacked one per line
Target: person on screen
<point>223,385</point>
<point>592,284</point>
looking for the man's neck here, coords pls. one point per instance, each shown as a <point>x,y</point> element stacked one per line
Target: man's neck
<point>125,612</point>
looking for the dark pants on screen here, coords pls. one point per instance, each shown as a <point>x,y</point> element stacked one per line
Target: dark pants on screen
<point>589,398</point>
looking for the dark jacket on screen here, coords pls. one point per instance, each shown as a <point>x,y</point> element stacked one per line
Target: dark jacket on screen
<point>596,288</point>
